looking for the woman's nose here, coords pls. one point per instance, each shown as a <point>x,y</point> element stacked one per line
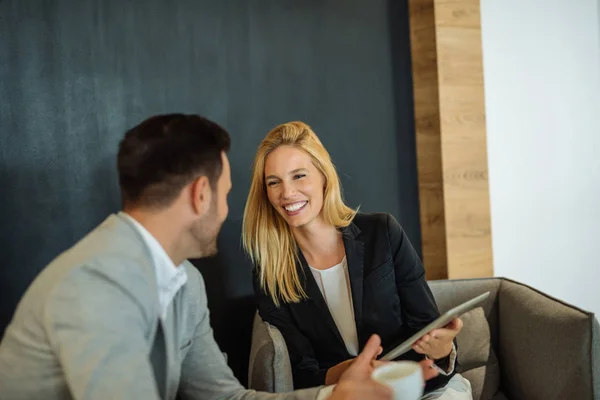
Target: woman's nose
<point>288,191</point>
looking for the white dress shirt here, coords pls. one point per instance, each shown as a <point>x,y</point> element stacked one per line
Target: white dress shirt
<point>169,278</point>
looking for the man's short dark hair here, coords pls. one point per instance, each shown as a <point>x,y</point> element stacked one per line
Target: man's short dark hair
<point>161,155</point>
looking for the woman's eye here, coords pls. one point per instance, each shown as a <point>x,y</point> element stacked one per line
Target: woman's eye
<point>272,183</point>
<point>298,176</point>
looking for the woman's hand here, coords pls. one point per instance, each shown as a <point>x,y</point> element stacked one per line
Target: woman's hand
<point>438,343</point>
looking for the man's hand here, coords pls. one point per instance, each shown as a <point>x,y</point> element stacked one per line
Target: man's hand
<point>334,373</point>
<point>438,343</point>
<point>356,382</point>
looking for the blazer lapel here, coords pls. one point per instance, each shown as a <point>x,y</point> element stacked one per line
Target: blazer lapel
<point>316,297</point>
<point>159,359</point>
<point>355,252</point>
<point>171,347</point>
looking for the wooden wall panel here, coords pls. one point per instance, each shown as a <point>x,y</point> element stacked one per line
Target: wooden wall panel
<point>451,139</point>
<point>428,140</point>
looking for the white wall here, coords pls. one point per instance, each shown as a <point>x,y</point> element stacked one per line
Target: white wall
<point>542,89</point>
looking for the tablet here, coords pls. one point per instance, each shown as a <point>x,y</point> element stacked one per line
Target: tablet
<point>442,321</point>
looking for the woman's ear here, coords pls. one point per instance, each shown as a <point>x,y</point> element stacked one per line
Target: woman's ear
<point>201,195</point>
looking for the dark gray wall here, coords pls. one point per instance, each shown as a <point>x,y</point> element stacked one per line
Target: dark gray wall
<point>75,75</point>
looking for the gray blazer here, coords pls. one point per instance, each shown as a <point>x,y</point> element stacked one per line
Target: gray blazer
<point>88,327</point>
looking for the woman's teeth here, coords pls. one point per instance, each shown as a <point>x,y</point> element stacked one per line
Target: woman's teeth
<point>295,206</point>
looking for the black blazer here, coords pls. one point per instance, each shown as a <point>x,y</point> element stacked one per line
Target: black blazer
<point>389,294</point>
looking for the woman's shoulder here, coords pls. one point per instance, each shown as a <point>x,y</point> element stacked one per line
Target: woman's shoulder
<point>367,222</point>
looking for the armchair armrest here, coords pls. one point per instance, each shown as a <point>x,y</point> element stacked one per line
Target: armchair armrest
<point>269,368</point>
<point>548,349</point>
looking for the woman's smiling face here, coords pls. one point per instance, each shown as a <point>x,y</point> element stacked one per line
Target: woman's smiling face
<point>294,185</point>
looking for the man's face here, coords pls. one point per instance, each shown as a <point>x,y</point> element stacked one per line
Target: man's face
<point>206,230</point>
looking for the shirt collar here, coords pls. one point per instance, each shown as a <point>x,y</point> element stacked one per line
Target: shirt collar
<point>169,278</point>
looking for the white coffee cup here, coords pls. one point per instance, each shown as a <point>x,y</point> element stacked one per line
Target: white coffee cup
<point>404,377</point>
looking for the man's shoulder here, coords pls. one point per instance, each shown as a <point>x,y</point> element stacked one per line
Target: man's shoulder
<point>95,277</point>
<point>110,252</point>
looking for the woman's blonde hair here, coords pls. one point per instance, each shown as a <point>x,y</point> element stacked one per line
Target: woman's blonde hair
<point>266,236</point>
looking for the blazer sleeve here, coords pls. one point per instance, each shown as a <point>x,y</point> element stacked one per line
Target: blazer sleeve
<point>305,368</point>
<point>418,304</point>
<point>205,373</point>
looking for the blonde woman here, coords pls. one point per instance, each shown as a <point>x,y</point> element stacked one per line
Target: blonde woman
<point>327,276</point>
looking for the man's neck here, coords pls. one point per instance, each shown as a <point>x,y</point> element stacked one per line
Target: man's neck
<point>164,228</point>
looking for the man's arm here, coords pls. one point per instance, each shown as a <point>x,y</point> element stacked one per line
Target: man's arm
<point>97,328</point>
<point>205,373</point>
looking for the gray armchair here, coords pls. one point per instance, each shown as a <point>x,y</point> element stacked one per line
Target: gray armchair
<point>522,344</point>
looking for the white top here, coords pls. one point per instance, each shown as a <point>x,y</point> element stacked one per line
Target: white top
<point>169,278</point>
<point>334,284</point>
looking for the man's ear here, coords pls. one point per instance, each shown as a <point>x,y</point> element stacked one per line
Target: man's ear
<point>201,195</point>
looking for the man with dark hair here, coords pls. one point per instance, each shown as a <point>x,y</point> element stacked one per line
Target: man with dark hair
<point>123,314</point>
